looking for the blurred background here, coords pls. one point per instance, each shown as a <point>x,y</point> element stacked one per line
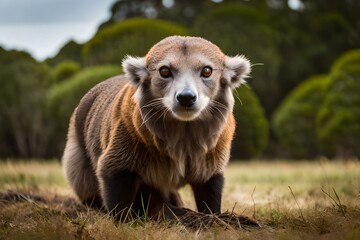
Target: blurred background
<point>301,102</point>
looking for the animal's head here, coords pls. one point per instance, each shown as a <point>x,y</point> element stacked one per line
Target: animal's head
<point>187,76</point>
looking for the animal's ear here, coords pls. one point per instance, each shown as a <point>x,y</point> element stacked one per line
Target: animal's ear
<point>135,69</point>
<point>236,70</point>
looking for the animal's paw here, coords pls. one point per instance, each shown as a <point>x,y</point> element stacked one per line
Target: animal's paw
<point>196,220</point>
<point>237,221</point>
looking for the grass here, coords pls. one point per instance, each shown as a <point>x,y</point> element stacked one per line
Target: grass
<point>291,200</point>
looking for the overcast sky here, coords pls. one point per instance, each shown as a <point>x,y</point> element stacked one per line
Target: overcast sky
<point>42,27</point>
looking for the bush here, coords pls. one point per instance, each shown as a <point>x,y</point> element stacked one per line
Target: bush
<point>238,29</point>
<point>318,34</point>
<point>71,51</point>
<point>322,115</point>
<point>23,131</point>
<point>294,122</point>
<point>134,37</point>
<point>64,97</point>
<point>338,121</point>
<point>65,70</point>
<point>252,127</point>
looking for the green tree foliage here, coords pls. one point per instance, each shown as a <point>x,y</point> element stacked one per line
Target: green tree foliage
<point>24,129</point>
<point>240,29</point>
<point>65,70</point>
<point>64,97</point>
<point>294,122</point>
<point>311,48</point>
<point>293,44</point>
<point>348,9</point>
<point>134,37</point>
<point>322,115</point>
<point>252,127</point>
<point>71,51</point>
<point>338,121</point>
<point>180,11</point>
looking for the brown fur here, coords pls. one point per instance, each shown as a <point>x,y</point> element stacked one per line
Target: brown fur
<point>122,124</point>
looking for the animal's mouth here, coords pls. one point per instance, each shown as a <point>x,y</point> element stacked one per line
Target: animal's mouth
<point>185,113</point>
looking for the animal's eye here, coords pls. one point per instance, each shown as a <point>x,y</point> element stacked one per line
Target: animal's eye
<point>206,72</point>
<point>165,72</point>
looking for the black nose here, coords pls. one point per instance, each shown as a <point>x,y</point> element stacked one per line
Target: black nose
<point>186,98</point>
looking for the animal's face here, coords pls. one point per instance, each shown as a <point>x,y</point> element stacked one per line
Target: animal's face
<point>185,76</point>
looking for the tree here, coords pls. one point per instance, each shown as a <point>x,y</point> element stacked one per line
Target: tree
<point>310,47</point>
<point>131,37</point>
<point>24,81</point>
<point>322,116</point>
<point>294,122</point>
<point>71,51</point>
<point>338,121</point>
<point>183,12</point>
<point>64,97</point>
<point>65,70</point>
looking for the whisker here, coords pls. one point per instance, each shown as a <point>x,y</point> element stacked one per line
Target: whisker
<point>214,109</point>
<point>152,102</point>
<point>219,104</point>
<point>257,64</point>
<point>236,93</point>
<point>145,120</point>
<point>162,114</point>
<point>155,110</point>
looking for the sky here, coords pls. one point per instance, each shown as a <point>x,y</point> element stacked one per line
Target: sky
<point>42,27</point>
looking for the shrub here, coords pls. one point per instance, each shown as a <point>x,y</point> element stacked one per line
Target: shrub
<point>252,127</point>
<point>318,34</point>
<point>294,122</point>
<point>65,70</point>
<point>71,51</point>
<point>338,121</point>
<point>322,115</point>
<point>24,81</point>
<point>64,97</point>
<point>134,37</point>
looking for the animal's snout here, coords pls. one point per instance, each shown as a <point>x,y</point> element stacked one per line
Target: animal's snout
<point>186,98</point>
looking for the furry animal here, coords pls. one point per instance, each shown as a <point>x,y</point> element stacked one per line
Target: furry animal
<point>134,140</point>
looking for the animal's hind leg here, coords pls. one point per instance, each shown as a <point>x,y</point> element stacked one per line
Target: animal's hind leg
<point>79,172</point>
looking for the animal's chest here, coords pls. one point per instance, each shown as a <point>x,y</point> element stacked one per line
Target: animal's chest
<point>184,159</point>
<point>166,172</point>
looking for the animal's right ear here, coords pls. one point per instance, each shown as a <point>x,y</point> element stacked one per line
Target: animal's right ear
<point>135,69</point>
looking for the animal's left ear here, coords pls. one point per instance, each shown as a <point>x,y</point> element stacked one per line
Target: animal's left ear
<point>135,69</point>
<point>236,70</point>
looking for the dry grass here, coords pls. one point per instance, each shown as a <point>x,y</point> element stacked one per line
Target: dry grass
<point>297,200</point>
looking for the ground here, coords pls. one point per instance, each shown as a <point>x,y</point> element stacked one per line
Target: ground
<point>290,200</point>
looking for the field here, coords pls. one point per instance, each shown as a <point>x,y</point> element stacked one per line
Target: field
<point>291,200</point>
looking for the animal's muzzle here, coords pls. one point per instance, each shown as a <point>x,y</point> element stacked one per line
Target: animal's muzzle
<point>186,98</point>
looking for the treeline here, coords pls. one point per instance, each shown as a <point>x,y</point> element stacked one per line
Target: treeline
<point>287,109</point>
